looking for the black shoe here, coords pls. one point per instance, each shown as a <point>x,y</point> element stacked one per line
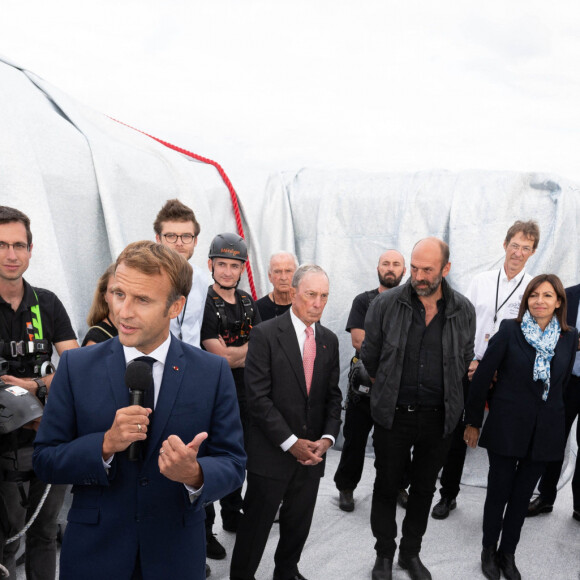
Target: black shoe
<point>296,576</point>
<point>489,565</point>
<point>414,567</point>
<point>213,548</point>
<point>576,515</point>
<point>443,507</point>
<point>507,563</point>
<point>231,522</point>
<point>383,569</point>
<point>345,500</point>
<point>207,571</point>
<point>403,498</point>
<point>539,506</point>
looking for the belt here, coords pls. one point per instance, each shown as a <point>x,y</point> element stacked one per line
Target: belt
<point>416,408</point>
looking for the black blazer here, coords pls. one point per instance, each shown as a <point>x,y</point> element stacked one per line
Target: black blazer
<point>519,421</point>
<point>572,300</point>
<point>278,404</point>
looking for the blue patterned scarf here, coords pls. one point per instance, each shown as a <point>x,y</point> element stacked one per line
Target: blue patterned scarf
<point>544,343</point>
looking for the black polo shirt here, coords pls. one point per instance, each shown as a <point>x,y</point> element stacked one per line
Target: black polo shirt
<point>56,327</point>
<point>422,377</point>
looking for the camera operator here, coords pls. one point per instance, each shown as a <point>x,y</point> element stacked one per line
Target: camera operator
<point>32,321</point>
<point>358,421</point>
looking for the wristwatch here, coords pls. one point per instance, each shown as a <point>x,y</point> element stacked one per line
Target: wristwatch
<point>41,390</point>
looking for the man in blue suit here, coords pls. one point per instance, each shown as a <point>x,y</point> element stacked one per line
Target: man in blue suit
<point>144,518</point>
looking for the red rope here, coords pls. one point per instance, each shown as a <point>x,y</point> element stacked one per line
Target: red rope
<point>226,180</point>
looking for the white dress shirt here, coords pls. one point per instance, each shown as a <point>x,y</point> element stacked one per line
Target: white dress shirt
<point>159,354</point>
<point>187,326</point>
<point>482,293</point>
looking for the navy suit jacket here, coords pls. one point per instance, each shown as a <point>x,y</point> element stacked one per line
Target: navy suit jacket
<point>133,511</point>
<point>278,403</point>
<point>519,421</point>
<point>572,300</point>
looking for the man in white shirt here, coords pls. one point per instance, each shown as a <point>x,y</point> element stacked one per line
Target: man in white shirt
<point>496,295</point>
<point>176,227</point>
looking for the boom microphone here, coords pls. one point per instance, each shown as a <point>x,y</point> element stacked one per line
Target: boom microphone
<point>138,378</point>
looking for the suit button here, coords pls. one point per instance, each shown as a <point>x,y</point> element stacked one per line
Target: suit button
<point>304,427</point>
<point>143,482</point>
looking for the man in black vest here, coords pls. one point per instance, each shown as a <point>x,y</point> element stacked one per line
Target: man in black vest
<point>228,319</point>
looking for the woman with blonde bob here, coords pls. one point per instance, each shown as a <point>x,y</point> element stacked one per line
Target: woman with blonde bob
<point>101,327</point>
<point>533,356</point>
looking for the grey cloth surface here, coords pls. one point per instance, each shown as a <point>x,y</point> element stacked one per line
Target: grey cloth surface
<point>340,544</point>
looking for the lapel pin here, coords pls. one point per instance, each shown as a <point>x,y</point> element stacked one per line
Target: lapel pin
<point>175,368</point>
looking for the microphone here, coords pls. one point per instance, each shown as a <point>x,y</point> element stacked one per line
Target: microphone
<point>138,378</point>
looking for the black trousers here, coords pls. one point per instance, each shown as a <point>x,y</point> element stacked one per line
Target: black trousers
<point>453,468</point>
<point>423,432</point>
<point>41,550</point>
<point>261,502</point>
<point>231,504</point>
<point>357,426</point>
<point>549,482</point>
<point>510,484</point>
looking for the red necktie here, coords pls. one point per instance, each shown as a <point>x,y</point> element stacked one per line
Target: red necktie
<point>309,356</point>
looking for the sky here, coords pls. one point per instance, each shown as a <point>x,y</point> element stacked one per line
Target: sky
<point>265,86</point>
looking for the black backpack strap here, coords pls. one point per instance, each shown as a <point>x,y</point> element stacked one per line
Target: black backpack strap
<point>248,308</point>
<point>220,309</point>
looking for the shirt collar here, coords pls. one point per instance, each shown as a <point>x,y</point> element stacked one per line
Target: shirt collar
<point>516,279</point>
<point>159,354</point>
<point>28,297</point>
<point>299,326</point>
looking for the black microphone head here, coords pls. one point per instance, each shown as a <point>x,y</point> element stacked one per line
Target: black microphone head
<point>139,376</point>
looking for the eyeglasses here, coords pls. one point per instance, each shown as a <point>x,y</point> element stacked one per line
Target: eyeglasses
<point>18,247</point>
<point>185,238</point>
<point>517,248</point>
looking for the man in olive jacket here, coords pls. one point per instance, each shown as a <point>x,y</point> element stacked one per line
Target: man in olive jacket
<point>418,345</point>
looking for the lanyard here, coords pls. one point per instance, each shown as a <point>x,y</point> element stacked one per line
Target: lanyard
<point>497,294</point>
<point>32,322</point>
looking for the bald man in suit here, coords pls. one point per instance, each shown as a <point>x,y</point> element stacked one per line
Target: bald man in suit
<point>292,374</point>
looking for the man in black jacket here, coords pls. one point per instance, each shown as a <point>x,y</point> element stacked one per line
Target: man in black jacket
<point>418,345</point>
